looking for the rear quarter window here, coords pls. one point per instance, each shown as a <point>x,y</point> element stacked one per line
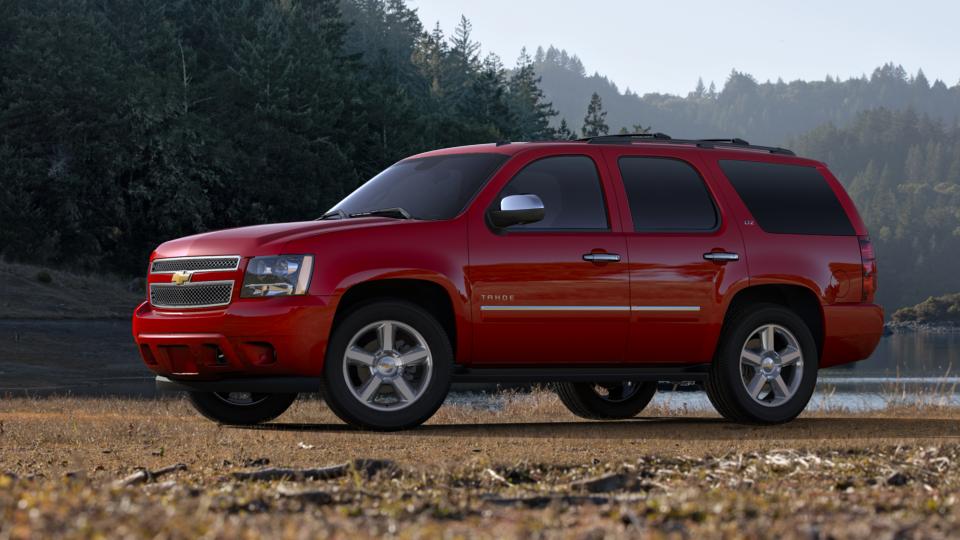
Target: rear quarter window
<point>788,199</point>
<point>666,194</point>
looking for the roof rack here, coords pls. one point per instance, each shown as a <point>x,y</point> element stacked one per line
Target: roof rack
<point>628,138</point>
<point>625,137</point>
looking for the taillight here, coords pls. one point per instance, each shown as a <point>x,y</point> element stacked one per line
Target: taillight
<point>869,261</point>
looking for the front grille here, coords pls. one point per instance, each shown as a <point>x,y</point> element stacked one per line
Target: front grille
<point>195,264</point>
<point>191,295</point>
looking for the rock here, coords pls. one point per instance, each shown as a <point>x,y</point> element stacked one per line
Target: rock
<point>603,484</point>
<point>542,501</point>
<point>845,484</point>
<point>144,475</point>
<point>897,479</point>
<point>366,467</point>
<point>310,496</point>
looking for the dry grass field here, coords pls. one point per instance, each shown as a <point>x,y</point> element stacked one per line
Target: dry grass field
<point>93,468</point>
<point>34,292</point>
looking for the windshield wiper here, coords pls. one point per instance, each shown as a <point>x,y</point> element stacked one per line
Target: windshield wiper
<point>398,213</point>
<point>334,214</point>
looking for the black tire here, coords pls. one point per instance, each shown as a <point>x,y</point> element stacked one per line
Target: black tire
<point>335,387</point>
<point>725,384</point>
<point>219,408</point>
<point>583,400</point>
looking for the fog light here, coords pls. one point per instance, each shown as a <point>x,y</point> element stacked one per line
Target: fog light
<point>260,354</point>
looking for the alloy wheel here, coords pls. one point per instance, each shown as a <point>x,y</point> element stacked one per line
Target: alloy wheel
<point>771,365</point>
<point>616,393</point>
<point>387,365</point>
<point>240,399</point>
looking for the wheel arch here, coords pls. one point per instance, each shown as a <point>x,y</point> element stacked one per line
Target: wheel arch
<point>801,300</point>
<point>429,294</point>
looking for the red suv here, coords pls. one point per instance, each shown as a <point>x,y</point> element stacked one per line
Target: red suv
<point>603,266</point>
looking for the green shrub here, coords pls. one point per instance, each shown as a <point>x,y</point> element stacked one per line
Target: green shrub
<point>940,309</point>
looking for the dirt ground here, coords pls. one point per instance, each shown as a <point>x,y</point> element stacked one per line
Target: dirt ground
<point>525,470</point>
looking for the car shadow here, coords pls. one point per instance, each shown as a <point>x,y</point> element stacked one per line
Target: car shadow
<point>663,428</point>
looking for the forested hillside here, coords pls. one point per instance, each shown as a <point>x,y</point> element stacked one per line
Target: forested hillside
<point>903,171</point>
<point>123,124</point>
<point>763,113</point>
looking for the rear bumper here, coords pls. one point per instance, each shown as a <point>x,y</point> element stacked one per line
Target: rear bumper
<point>273,337</point>
<point>852,332</point>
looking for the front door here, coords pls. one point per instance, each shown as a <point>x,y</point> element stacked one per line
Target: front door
<point>555,291</point>
<point>683,255</point>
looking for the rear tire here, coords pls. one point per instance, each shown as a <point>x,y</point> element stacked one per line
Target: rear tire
<point>230,409</point>
<point>388,366</point>
<point>765,370</point>
<point>620,401</point>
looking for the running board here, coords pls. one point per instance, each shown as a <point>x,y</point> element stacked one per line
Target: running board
<point>289,385</point>
<point>266,385</point>
<point>696,372</point>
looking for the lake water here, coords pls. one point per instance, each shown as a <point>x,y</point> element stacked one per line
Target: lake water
<point>914,355</point>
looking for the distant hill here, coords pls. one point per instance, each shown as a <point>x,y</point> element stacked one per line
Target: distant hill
<point>763,113</point>
<point>902,169</point>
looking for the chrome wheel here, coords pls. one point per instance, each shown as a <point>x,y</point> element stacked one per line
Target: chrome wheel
<point>616,393</point>
<point>771,365</point>
<point>240,399</point>
<point>387,365</point>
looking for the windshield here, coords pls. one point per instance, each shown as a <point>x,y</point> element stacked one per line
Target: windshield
<point>436,187</point>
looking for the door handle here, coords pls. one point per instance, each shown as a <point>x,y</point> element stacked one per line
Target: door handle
<point>601,257</point>
<point>721,256</point>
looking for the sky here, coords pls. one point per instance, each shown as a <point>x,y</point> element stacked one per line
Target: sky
<point>664,46</point>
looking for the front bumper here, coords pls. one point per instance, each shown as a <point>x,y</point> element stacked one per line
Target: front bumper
<point>273,337</point>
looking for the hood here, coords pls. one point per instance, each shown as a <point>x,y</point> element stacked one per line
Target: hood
<point>261,239</point>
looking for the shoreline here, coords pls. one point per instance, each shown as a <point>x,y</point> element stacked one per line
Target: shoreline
<point>891,328</point>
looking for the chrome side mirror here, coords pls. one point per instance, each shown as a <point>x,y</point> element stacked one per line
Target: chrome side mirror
<point>518,210</point>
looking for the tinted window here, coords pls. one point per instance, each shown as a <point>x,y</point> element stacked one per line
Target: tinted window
<point>666,194</point>
<point>428,188</point>
<point>788,199</point>
<point>570,190</point>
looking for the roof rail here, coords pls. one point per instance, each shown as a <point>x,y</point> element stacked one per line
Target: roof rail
<point>628,138</point>
<point>625,138</point>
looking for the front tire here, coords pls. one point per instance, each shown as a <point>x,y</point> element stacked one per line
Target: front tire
<point>388,366</point>
<point>240,408</point>
<point>766,366</point>
<point>606,401</point>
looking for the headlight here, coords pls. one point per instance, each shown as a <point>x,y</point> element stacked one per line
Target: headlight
<point>281,275</point>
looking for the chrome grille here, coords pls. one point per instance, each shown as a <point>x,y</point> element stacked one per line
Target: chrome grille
<point>191,295</point>
<point>195,264</point>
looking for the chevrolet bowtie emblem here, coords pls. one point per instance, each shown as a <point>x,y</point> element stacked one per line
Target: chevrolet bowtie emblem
<point>181,277</point>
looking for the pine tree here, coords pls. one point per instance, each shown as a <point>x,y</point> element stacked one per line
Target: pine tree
<point>530,109</point>
<point>700,91</point>
<point>594,123</point>
<point>563,132</point>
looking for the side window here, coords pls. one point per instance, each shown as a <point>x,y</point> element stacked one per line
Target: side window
<point>569,187</point>
<point>666,195</point>
<point>788,199</point>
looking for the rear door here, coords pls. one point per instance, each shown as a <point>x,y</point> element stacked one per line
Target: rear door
<point>684,255</point>
<point>539,292</point>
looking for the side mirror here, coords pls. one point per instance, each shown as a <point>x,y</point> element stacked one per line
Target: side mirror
<point>517,210</point>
